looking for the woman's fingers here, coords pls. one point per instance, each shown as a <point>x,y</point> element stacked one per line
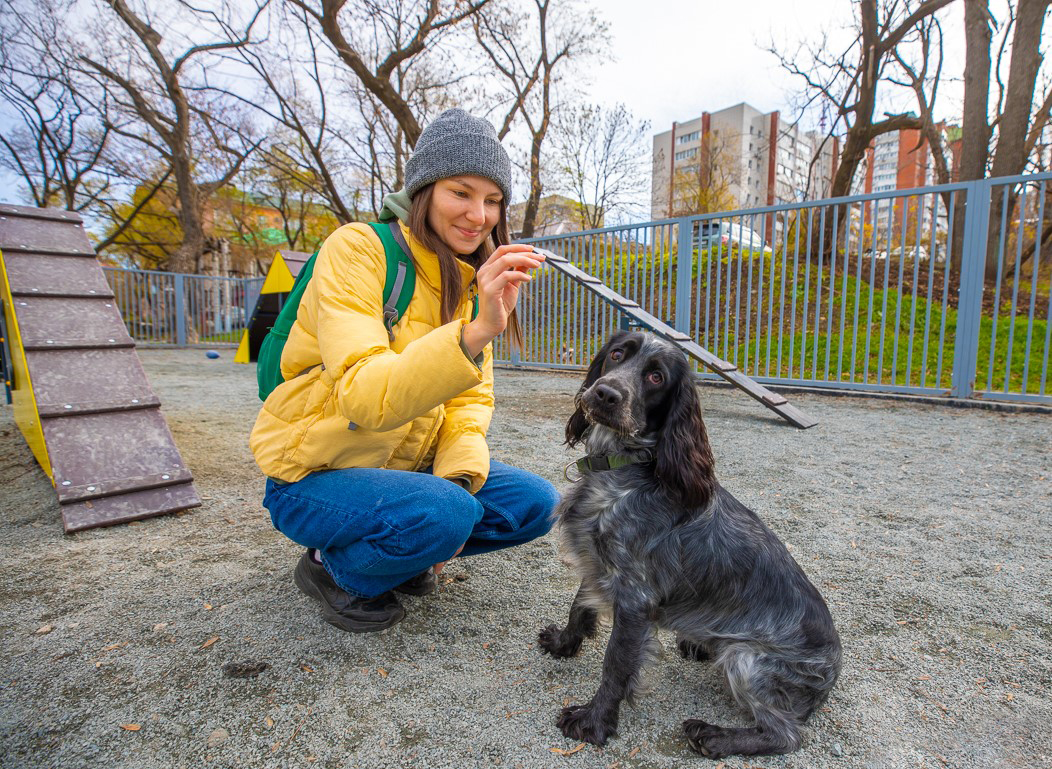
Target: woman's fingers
<point>516,256</point>
<point>510,262</point>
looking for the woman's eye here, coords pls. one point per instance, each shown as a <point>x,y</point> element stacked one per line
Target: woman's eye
<point>655,377</point>
<point>617,355</point>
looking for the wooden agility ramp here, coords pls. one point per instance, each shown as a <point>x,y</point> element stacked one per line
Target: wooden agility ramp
<point>79,392</point>
<point>280,277</point>
<point>728,371</point>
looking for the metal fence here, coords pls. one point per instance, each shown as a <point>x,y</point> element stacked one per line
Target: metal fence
<point>165,308</point>
<point>886,292</point>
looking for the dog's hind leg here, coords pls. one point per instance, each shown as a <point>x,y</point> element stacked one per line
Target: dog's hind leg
<point>567,641</point>
<point>778,705</point>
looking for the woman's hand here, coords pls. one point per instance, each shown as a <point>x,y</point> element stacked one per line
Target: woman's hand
<point>498,282</point>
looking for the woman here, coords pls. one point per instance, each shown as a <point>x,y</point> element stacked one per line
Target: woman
<point>375,445</point>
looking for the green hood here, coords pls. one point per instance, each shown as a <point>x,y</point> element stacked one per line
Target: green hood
<point>396,205</point>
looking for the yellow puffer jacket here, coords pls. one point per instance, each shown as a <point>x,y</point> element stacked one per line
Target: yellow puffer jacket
<point>372,402</point>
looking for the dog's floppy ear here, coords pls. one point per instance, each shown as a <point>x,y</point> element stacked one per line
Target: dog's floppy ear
<point>577,424</point>
<point>685,465</point>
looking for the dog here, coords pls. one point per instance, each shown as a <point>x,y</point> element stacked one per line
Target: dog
<point>658,543</point>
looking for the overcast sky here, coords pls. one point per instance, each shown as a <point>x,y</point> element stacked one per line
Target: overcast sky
<point>677,58</point>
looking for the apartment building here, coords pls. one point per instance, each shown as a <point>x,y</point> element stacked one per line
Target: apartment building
<point>902,160</point>
<point>738,158</point>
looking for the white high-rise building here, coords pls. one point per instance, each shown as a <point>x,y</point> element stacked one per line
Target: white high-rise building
<point>757,158</point>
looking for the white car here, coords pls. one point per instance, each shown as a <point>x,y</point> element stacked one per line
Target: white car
<point>712,233</point>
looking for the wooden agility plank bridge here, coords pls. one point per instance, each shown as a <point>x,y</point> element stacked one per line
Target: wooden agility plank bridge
<point>728,371</point>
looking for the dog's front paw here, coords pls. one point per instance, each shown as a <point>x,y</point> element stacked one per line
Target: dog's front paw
<point>583,723</point>
<point>559,643</point>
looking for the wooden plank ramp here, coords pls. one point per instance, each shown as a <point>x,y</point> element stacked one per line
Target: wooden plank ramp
<point>79,392</point>
<point>728,371</point>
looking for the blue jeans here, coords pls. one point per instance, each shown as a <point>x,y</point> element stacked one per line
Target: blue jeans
<point>374,528</point>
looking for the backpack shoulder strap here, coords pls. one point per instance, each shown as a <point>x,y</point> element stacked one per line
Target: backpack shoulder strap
<point>401,274</point>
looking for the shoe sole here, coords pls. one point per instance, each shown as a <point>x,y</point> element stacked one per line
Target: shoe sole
<point>336,619</point>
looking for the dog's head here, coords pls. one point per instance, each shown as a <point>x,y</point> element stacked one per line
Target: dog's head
<point>640,391</point>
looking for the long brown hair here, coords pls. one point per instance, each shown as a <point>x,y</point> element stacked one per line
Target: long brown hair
<point>452,289</point>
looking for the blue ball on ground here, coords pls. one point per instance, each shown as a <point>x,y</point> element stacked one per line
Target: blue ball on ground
<point>211,354</point>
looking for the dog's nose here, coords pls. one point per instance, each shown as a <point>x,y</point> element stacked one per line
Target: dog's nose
<point>607,395</point>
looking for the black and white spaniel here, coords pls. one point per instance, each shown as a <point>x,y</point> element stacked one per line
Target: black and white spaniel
<point>658,543</point>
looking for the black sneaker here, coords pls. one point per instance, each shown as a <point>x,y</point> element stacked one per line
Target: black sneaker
<point>340,608</point>
<point>421,584</point>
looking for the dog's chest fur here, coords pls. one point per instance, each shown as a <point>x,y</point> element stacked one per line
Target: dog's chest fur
<point>604,536</point>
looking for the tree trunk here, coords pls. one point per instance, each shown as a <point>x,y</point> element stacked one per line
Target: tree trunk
<point>533,202</point>
<point>1010,155</point>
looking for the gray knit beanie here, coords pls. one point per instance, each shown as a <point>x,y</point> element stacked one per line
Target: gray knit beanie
<point>457,143</point>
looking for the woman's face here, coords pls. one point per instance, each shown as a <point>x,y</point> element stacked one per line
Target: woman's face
<point>463,211</point>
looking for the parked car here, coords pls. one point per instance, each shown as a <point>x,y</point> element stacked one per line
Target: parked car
<point>713,232</point>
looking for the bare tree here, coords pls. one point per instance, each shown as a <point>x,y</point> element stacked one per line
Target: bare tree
<point>1020,113</point>
<point>393,35</point>
<point>297,88</point>
<point>530,53</point>
<point>599,158</point>
<point>850,80</point>
<point>57,147</point>
<point>179,116</point>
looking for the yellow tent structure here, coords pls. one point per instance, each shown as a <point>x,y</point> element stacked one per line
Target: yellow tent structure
<point>280,277</point>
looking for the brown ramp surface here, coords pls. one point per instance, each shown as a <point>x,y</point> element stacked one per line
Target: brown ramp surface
<point>80,395</point>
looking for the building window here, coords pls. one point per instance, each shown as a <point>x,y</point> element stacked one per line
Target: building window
<point>687,138</point>
<point>685,154</point>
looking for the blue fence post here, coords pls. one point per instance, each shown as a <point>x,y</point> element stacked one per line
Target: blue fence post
<point>684,275</point>
<point>180,310</point>
<point>969,303</point>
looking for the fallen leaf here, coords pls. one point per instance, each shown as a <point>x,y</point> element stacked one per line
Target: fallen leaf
<point>485,645</point>
<point>569,752</point>
<point>208,607</point>
<point>923,678</point>
<point>208,643</point>
<point>44,630</point>
<point>269,722</point>
<point>111,647</point>
<point>383,673</point>
<point>159,627</point>
<point>632,753</point>
<point>131,727</point>
<point>306,668</point>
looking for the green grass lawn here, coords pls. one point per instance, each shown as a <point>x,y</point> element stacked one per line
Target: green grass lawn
<point>919,334</point>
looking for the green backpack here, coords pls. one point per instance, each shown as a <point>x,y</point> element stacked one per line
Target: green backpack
<point>398,291</point>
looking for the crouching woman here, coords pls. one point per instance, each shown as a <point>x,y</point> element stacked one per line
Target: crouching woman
<point>374,446</point>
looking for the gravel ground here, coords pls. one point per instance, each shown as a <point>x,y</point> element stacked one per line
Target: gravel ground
<point>926,528</point>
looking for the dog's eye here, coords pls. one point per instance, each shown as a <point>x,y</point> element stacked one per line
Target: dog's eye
<point>617,355</point>
<point>655,377</point>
